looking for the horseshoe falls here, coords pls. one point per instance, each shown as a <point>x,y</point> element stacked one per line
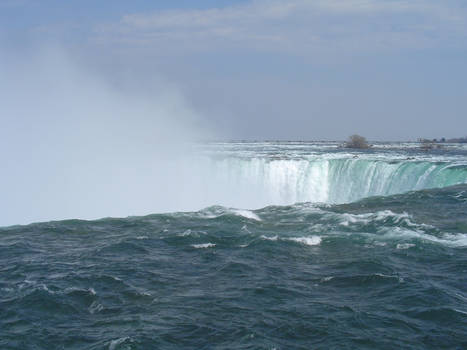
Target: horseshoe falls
<point>332,180</point>
<point>286,245</point>
<point>254,175</point>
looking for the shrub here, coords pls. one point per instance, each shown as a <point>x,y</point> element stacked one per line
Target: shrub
<point>357,141</point>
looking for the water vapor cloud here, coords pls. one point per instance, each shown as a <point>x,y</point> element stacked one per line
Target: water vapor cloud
<point>73,145</point>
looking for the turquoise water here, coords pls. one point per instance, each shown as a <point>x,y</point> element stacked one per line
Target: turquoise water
<point>338,249</point>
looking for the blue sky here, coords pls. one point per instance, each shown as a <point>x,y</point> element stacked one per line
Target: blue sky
<point>268,69</point>
<point>21,17</point>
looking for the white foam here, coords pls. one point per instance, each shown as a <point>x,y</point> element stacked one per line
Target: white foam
<point>142,237</point>
<point>245,228</point>
<point>458,239</point>
<point>405,245</point>
<point>270,238</point>
<point>114,343</point>
<point>76,289</point>
<point>185,233</point>
<point>448,239</point>
<point>386,276</point>
<point>95,307</point>
<point>191,233</point>
<point>246,214</point>
<point>313,240</point>
<point>406,228</point>
<point>203,245</point>
<point>460,311</point>
<point>366,218</point>
<point>460,296</point>
<point>44,287</point>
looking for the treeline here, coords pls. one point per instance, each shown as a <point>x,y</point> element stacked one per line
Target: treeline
<point>360,142</point>
<point>444,140</point>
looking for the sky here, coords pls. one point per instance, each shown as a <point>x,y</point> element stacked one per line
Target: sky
<point>98,97</point>
<point>267,69</point>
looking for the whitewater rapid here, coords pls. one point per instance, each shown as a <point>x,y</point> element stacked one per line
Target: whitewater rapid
<point>250,175</point>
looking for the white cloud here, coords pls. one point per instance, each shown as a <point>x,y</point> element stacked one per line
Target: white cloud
<point>297,25</point>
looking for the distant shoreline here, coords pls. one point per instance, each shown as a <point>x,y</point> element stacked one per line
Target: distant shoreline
<point>334,141</point>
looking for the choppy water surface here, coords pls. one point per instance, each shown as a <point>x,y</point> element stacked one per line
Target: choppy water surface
<point>373,257</point>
